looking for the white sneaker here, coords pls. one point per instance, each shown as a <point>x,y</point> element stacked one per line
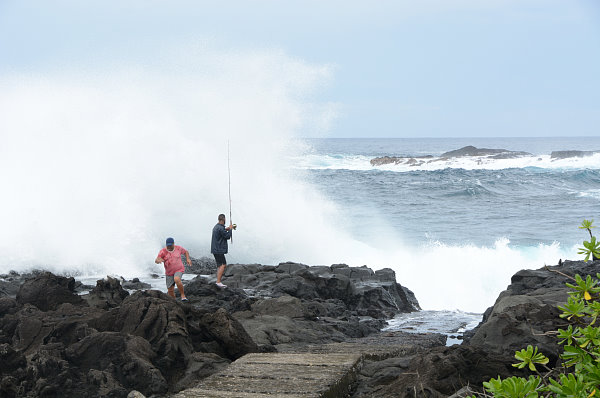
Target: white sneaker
<point>221,285</point>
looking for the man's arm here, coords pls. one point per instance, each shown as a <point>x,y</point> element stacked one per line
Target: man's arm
<point>159,260</point>
<point>187,257</point>
<point>226,232</point>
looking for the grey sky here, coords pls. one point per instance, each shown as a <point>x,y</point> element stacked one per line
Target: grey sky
<point>400,68</point>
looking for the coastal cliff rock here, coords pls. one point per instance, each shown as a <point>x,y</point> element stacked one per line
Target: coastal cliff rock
<point>525,313</point>
<point>527,309</point>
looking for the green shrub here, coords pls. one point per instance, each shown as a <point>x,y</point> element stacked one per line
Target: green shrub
<point>590,248</point>
<point>579,372</point>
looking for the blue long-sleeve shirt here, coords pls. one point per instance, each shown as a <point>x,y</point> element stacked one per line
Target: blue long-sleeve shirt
<point>219,239</point>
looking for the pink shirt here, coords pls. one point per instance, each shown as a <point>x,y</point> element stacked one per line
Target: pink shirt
<point>172,259</point>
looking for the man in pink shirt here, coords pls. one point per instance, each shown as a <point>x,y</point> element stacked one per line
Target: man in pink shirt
<point>174,269</point>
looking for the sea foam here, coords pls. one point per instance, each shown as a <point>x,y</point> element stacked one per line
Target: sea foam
<point>312,161</point>
<point>100,164</point>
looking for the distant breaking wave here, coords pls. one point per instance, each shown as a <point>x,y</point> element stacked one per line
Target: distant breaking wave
<point>361,162</point>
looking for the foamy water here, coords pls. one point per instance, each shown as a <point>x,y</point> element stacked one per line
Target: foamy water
<point>105,162</point>
<point>362,162</point>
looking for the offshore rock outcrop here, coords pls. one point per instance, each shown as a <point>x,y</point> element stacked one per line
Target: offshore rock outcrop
<point>409,161</point>
<point>492,153</point>
<point>555,155</point>
<point>467,151</point>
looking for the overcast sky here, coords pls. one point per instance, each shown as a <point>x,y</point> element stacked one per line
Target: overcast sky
<point>426,68</point>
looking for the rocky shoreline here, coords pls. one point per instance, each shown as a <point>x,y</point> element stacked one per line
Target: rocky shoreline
<point>107,342</point>
<point>57,339</point>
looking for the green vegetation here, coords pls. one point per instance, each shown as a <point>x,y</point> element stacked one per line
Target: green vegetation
<point>578,374</point>
<point>591,247</point>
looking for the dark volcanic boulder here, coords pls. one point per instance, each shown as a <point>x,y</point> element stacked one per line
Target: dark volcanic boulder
<point>527,310</point>
<point>11,362</point>
<point>200,366</point>
<point>8,306</point>
<point>108,293</point>
<point>438,373</point>
<point>229,333</point>
<point>176,330</point>
<point>109,357</point>
<point>290,268</point>
<point>9,288</point>
<point>160,320</point>
<point>208,297</point>
<point>10,284</point>
<point>10,359</point>
<point>328,285</point>
<point>202,265</point>
<point>135,284</point>
<point>382,298</point>
<point>274,330</point>
<point>47,291</point>
<point>29,328</point>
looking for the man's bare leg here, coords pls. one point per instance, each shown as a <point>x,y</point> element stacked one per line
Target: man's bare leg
<point>220,272</point>
<point>179,287</point>
<point>171,291</point>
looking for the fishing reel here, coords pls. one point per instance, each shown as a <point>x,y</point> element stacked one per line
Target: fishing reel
<point>234,226</point>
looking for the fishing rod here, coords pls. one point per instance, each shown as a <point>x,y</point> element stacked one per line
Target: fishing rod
<point>229,176</point>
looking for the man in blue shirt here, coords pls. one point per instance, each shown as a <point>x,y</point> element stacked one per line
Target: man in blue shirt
<point>218,246</point>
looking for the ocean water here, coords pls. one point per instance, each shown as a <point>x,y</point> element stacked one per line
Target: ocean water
<point>455,231</point>
<point>528,201</point>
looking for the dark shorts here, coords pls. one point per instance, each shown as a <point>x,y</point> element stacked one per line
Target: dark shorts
<point>220,259</point>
